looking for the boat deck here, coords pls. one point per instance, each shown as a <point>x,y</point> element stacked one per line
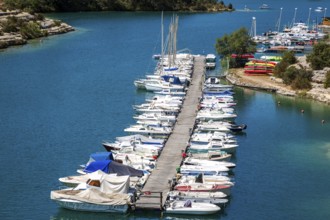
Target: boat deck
<point>157,184</point>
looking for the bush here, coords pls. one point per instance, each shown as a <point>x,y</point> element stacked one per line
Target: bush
<point>327,80</point>
<point>12,24</point>
<point>289,57</point>
<point>31,30</point>
<point>320,57</point>
<point>280,68</point>
<point>297,78</point>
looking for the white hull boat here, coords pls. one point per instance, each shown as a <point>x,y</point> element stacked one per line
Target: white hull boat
<point>71,199</point>
<point>229,148</point>
<point>208,170</point>
<point>200,162</point>
<point>140,129</point>
<point>155,117</point>
<point>212,156</point>
<point>202,195</point>
<point>90,207</point>
<point>194,208</point>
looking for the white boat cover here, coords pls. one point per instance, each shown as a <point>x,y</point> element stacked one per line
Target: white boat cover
<point>108,183</point>
<point>91,195</point>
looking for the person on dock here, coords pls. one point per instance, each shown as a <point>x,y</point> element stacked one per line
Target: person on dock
<point>183,154</point>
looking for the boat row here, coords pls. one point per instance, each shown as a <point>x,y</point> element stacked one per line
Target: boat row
<point>204,180</point>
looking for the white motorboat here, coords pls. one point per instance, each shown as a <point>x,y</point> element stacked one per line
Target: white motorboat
<point>210,58</point>
<point>214,145</point>
<point>205,138</point>
<point>192,195</point>
<point>211,155</point>
<point>211,127</point>
<point>117,145</point>
<point>191,208</point>
<point>160,85</point>
<point>149,130</point>
<point>166,99</point>
<point>202,187</point>
<point>201,178</point>
<point>318,9</point>
<point>170,92</point>
<point>160,109</point>
<point>155,123</point>
<point>156,105</point>
<point>142,139</point>
<point>207,170</point>
<point>264,6</point>
<point>155,117</point>
<point>201,162</point>
<point>215,115</point>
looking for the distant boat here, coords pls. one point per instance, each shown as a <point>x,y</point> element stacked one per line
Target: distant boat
<point>318,9</point>
<point>246,8</point>
<point>264,6</point>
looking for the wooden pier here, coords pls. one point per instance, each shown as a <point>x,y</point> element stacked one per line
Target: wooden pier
<point>157,186</point>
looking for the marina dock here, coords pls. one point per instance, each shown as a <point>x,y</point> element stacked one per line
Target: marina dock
<point>158,184</point>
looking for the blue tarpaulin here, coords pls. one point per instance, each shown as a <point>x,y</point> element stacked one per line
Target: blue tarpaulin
<point>101,156</point>
<point>109,166</point>
<point>172,79</point>
<point>98,165</point>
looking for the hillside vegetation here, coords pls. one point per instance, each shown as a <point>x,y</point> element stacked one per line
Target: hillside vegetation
<point>116,5</point>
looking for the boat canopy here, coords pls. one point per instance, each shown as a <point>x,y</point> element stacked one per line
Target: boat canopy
<point>109,166</point>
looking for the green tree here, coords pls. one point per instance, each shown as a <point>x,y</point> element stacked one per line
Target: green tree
<point>239,42</point>
<point>320,56</point>
<point>289,57</point>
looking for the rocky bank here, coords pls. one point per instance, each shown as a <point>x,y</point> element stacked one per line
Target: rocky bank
<point>45,27</point>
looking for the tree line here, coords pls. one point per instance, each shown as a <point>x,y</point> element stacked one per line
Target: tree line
<point>116,5</point>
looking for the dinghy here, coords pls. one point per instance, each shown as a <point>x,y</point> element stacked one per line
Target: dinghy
<point>191,208</point>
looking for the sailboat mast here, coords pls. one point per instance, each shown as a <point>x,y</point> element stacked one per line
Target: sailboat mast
<point>162,47</point>
<point>279,21</point>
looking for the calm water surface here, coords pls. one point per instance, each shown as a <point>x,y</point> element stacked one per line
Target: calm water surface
<point>60,97</point>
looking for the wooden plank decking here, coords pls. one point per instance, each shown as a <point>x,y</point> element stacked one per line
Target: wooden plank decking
<point>170,157</point>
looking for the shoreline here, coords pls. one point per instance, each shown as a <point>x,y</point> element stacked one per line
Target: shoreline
<point>275,85</point>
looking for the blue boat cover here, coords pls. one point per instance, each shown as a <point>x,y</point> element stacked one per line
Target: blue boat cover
<point>172,79</point>
<point>98,165</point>
<point>101,156</point>
<point>109,166</point>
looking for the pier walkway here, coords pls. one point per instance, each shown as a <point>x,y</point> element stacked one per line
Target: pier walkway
<point>157,184</point>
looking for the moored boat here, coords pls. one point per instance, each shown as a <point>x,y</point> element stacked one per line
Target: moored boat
<point>191,208</point>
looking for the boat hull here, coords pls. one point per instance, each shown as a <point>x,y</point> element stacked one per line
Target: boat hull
<point>90,207</point>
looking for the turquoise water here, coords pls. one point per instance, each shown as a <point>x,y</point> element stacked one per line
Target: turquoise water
<point>62,96</point>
